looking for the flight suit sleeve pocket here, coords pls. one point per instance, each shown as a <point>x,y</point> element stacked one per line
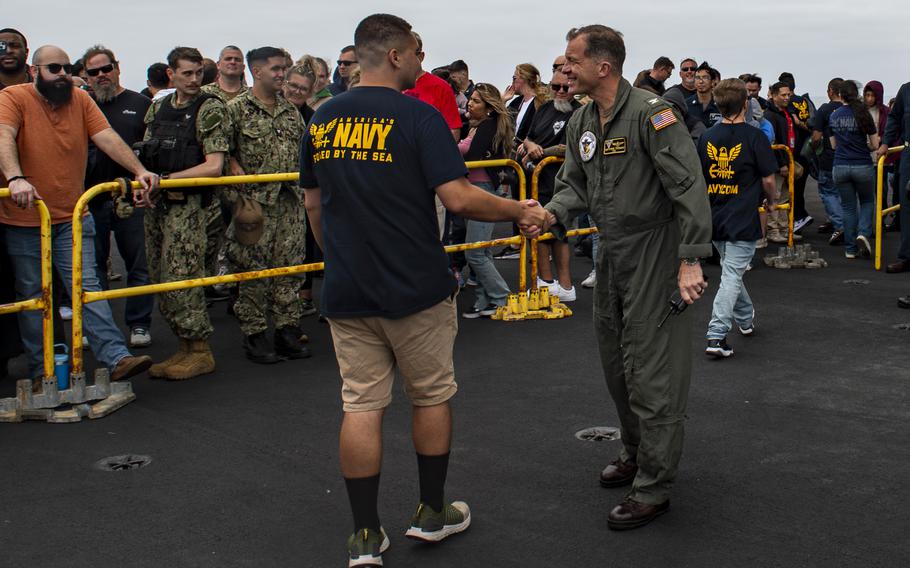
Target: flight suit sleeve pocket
<point>675,174</point>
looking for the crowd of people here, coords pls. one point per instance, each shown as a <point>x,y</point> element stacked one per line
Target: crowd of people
<point>199,117</point>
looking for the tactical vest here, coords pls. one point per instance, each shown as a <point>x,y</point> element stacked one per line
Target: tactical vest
<point>172,145</point>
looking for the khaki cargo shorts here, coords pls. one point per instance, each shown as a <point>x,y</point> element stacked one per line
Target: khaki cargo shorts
<point>420,346</point>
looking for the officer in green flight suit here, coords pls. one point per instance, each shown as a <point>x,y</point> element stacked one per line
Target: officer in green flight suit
<point>631,163</point>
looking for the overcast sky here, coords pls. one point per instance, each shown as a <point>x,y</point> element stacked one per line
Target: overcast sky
<point>814,39</point>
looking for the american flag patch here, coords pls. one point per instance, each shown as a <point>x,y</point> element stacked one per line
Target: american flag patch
<point>663,119</point>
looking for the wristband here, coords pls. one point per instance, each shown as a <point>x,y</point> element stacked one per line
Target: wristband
<point>690,261</point>
<point>14,178</point>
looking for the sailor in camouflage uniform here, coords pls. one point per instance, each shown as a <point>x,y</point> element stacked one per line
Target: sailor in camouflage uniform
<point>265,139</point>
<point>186,137</point>
<point>228,85</point>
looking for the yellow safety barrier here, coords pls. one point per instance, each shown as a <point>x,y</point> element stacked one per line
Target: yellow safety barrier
<point>790,184</point>
<point>81,297</point>
<point>25,402</point>
<point>535,303</point>
<point>45,302</point>
<point>879,203</point>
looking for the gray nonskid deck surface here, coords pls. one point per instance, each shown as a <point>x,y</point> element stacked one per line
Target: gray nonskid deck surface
<point>797,448</point>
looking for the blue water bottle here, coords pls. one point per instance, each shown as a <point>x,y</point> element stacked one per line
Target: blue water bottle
<point>62,366</point>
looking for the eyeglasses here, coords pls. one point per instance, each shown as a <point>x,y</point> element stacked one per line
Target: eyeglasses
<point>104,69</point>
<point>700,78</point>
<point>296,87</point>
<point>344,63</point>
<point>687,69</point>
<point>57,67</point>
<point>557,66</point>
<point>556,88</point>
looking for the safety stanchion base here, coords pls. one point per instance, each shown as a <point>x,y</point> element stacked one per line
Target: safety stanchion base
<point>70,405</point>
<point>537,304</point>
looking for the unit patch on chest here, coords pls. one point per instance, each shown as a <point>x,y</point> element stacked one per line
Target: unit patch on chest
<point>587,145</point>
<point>615,146</point>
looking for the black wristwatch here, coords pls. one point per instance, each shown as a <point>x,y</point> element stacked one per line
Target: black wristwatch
<point>691,261</point>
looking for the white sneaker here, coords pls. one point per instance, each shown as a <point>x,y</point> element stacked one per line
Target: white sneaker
<point>553,286</point>
<point>590,280</point>
<point>565,295</point>
<point>66,313</point>
<point>140,337</point>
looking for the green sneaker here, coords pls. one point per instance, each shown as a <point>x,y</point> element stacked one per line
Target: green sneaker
<point>365,547</point>
<point>430,526</point>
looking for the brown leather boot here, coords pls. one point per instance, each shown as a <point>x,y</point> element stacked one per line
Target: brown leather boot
<point>157,371</point>
<point>198,361</point>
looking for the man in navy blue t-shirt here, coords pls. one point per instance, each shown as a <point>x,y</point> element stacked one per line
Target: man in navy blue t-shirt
<point>372,162</point>
<point>739,168</point>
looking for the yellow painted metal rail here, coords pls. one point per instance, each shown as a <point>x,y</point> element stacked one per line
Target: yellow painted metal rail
<point>80,297</point>
<point>44,303</point>
<point>791,178</point>
<point>879,204</point>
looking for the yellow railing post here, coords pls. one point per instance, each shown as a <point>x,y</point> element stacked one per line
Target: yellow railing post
<point>522,195</point>
<point>46,302</point>
<point>880,211</point>
<point>791,180</point>
<point>535,195</point>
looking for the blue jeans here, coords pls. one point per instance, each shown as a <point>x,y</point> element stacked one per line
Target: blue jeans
<point>24,247</point>
<point>491,288</point>
<point>830,199</point>
<point>130,235</point>
<point>856,182</point>
<point>732,302</point>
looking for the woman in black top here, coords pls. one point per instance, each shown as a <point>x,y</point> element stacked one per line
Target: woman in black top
<point>487,136</point>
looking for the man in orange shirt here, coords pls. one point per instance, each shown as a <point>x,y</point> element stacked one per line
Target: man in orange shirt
<point>44,132</point>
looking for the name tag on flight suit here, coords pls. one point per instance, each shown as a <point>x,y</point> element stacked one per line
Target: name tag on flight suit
<point>614,146</point>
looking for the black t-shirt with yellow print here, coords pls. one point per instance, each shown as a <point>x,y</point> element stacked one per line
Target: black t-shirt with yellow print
<point>377,155</point>
<point>735,158</point>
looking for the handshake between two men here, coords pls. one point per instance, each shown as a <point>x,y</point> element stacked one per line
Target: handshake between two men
<point>534,220</point>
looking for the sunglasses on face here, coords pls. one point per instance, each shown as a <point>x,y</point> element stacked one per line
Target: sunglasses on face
<point>557,67</point>
<point>344,63</point>
<point>688,69</point>
<point>97,70</point>
<point>57,67</point>
<point>556,88</point>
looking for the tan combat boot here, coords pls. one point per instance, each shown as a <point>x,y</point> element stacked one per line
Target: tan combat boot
<point>198,361</point>
<point>158,370</point>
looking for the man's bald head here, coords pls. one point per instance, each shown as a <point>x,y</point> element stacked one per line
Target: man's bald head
<point>49,54</point>
<point>51,68</point>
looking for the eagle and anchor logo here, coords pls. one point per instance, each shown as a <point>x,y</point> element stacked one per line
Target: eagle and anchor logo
<point>320,132</point>
<point>723,159</point>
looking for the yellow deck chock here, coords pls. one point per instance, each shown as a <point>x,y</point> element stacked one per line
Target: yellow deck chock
<point>535,304</point>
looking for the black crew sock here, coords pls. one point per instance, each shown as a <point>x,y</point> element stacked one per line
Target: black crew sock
<point>433,470</point>
<point>363,493</point>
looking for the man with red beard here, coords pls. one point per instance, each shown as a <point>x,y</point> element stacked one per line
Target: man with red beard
<point>124,110</point>
<point>49,122</point>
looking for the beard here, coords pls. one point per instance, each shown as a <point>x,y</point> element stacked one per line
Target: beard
<point>105,92</point>
<point>58,91</point>
<point>562,106</point>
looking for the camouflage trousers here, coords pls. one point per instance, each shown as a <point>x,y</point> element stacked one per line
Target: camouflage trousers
<point>175,246</point>
<point>214,233</point>
<point>282,244</point>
